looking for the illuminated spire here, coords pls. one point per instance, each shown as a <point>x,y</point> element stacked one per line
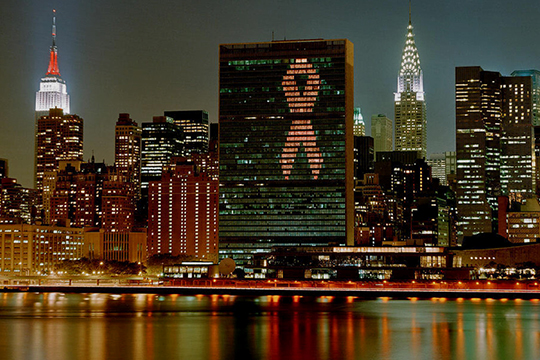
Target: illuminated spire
<point>53,61</point>
<point>410,61</point>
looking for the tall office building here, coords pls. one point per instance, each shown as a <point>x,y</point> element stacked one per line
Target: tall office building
<point>494,144</point>
<point>52,89</point>
<point>478,132</point>
<point>381,132</point>
<point>286,145</point>
<point>359,126</point>
<point>518,160</point>
<point>364,157</point>
<point>409,100</point>
<point>162,140</point>
<point>183,212</point>
<point>196,129</point>
<point>58,137</point>
<point>438,167</point>
<point>4,168</point>
<point>127,152</point>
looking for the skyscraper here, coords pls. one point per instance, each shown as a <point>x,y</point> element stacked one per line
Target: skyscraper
<point>494,144</point>
<point>286,145</point>
<point>183,212</point>
<point>58,137</point>
<point>162,140</point>
<point>359,127</point>
<point>52,89</point>
<point>196,129</point>
<point>478,132</point>
<point>381,132</point>
<point>409,100</point>
<point>127,152</point>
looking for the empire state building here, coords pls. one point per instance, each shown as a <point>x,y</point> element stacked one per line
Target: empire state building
<point>409,100</point>
<point>59,135</point>
<point>52,89</point>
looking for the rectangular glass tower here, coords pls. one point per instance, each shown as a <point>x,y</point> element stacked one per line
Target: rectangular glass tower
<point>286,145</point>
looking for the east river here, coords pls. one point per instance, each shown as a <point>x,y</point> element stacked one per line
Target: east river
<point>59,326</point>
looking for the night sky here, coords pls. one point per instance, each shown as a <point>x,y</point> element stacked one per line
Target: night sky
<point>145,57</point>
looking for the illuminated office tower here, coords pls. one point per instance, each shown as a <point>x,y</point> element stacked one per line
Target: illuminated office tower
<point>4,168</point>
<point>162,140</point>
<point>381,132</point>
<point>52,94</point>
<point>438,167</point>
<point>409,100</point>
<point>359,127</point>
<point>52,89</point>
<point>58,137</point>
<point>286,145</point>
<point>535,113</point>
<point>183,212</point>
<point>478,132</point>
<point>494,143</point>
<point>127,152</point>
<point>518,160</point>
<point>196,129</point>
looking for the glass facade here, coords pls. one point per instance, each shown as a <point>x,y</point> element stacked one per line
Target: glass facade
<point>285,144</point>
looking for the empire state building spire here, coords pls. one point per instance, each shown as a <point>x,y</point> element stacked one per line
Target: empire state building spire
<point>52,89</point>
<point>409,99</point>
<point>53,62</point>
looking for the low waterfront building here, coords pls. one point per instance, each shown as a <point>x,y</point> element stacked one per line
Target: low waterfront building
<point>35,249</point>
<point>119,246</point>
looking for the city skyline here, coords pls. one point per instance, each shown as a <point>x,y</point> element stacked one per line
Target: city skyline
<point>131,58</point>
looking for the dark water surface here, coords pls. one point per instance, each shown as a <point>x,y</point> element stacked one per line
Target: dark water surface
<point>100,326</point>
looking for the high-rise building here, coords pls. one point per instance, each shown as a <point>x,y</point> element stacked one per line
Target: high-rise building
<point>18,204</point>
<point>58,137</point>
<point>127,152</point>
<point>196,129</point>
<point>478,132</point>
<point>494,143</point>
<point>4,168</point>
<point>409,100</point>
<point>518,160</point>
<point>286,145</point>
<point>52,89</point>
<point>183,212</point>
<point>359,127</point>
<point>381,132</point>
<point>162,140</point>
<point>52,94</point>
<point>438,167</point>
<point>363,156</point>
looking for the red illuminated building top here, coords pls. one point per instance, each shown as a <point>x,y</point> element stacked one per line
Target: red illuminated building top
<point>53,61</point>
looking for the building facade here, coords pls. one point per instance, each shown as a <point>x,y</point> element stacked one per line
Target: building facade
<point>36,249</point>
<point>127,152</point>
<point>382,133</point>
<point>58,137</point>
<point>162,140</point>
<point>196,129</point>
<point>359,127</point>
<point>495,144</point>
<point>409,101</point>
<point>286,145</point>
<point>183,212</point>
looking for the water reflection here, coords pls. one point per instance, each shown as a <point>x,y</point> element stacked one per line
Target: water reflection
<point>100,326</point>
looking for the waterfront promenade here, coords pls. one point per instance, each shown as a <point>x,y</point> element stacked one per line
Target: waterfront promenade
<point>481,289</point>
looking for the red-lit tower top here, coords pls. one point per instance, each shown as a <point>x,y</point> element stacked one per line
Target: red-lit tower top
<point>53,61</point>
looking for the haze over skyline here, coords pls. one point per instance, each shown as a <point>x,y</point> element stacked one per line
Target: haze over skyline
<point>129,56</point>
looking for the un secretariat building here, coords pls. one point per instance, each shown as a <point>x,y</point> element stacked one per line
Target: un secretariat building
<point>286,145</point>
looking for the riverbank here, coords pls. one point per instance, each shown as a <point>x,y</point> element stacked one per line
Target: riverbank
<point>246,288</point>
